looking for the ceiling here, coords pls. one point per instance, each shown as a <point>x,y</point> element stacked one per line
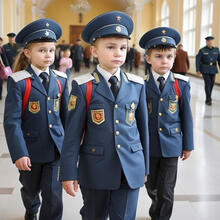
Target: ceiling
<point>41,5</point>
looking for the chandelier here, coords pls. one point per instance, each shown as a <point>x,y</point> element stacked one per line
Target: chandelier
<point>80,6</point>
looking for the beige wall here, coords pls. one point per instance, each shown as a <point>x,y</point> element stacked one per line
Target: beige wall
<point>7,18</point>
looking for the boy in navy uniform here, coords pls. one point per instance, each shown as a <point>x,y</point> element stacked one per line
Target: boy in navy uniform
<point>34,119</point>
<point>111,161</point>
<point>170,119</point>
<point>77,55</point>
<point>206,64</point>
<point>11,49</point>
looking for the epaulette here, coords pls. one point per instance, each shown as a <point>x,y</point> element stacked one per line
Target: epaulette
<point>182,77</point>
<point>61,74</point>
<point>135,78</point>
<point>18,76</point>
<point>84,78</point>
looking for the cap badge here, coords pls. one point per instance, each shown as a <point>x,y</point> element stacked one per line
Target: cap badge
<point>47,33</point>
<point>163,40</point>
<point>47,24</point>
<point>163,31</point>
<point>118,29</point>
<point>118,18</point>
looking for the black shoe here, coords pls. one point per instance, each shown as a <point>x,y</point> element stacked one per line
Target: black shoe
<point>30,216</point>
<point>208,102</point>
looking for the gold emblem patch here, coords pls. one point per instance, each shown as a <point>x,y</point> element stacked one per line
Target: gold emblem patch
<point>132,106</point>
<point>172,106</point>
<point>56,104</point>
<point>98,116</point>
<point>129,116</point>
<point>72,102</point>
<point>34,107</point>
<point>130,113</point>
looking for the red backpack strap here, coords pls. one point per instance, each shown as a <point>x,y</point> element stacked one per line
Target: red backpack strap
<point>60,87</point>
<point>88,94</point>
<point>88,97</point>
<point>177,88</point>
<point>26,94</point>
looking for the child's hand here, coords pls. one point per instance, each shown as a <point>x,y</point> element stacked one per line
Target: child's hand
<point>70,186</point>
<point>23,163</point>
<point>185,154</point>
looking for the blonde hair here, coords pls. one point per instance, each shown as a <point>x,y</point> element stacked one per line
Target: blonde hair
<point>21,61</point>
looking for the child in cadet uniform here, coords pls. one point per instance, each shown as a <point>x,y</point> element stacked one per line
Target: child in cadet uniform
<point>34,118</point>
<point>170,119</point>
<point>111,162</point>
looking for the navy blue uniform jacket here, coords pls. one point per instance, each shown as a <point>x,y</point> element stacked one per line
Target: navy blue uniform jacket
<point>41,129</point>
<point>170,119</point>
<point>207,59</point>
<point>116,134</point>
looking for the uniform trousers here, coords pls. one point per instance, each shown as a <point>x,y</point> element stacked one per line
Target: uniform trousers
<point>119,204</point>
<point>160,186</point>
<point>42,178</point>
<point>209,80</point>
<point>77,65</point>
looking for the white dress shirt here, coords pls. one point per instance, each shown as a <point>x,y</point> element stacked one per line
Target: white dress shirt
<point>106,75</point>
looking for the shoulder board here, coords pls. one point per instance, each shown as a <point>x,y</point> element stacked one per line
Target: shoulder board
<point>84,78</point>
<point>61,74</point>
<point>135,78</point>
<point>18,76</point>
<point>182,77</point>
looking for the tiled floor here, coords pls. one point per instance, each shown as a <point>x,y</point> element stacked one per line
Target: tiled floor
<point>197,193</point>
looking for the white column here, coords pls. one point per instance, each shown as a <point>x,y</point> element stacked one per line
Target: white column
<point>138,23</point>
<point>1,19</point>
<point>17,15</point>
<point>12,17</point>
<point>22,14</point>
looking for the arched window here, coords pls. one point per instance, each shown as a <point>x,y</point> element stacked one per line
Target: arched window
<point>189,25</point>
<point>165,14</point>
<point>206,20</point>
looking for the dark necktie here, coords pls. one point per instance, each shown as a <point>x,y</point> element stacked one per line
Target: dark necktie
<point>114,85</point>
<point>45,82</point>
<point>161,80</point>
